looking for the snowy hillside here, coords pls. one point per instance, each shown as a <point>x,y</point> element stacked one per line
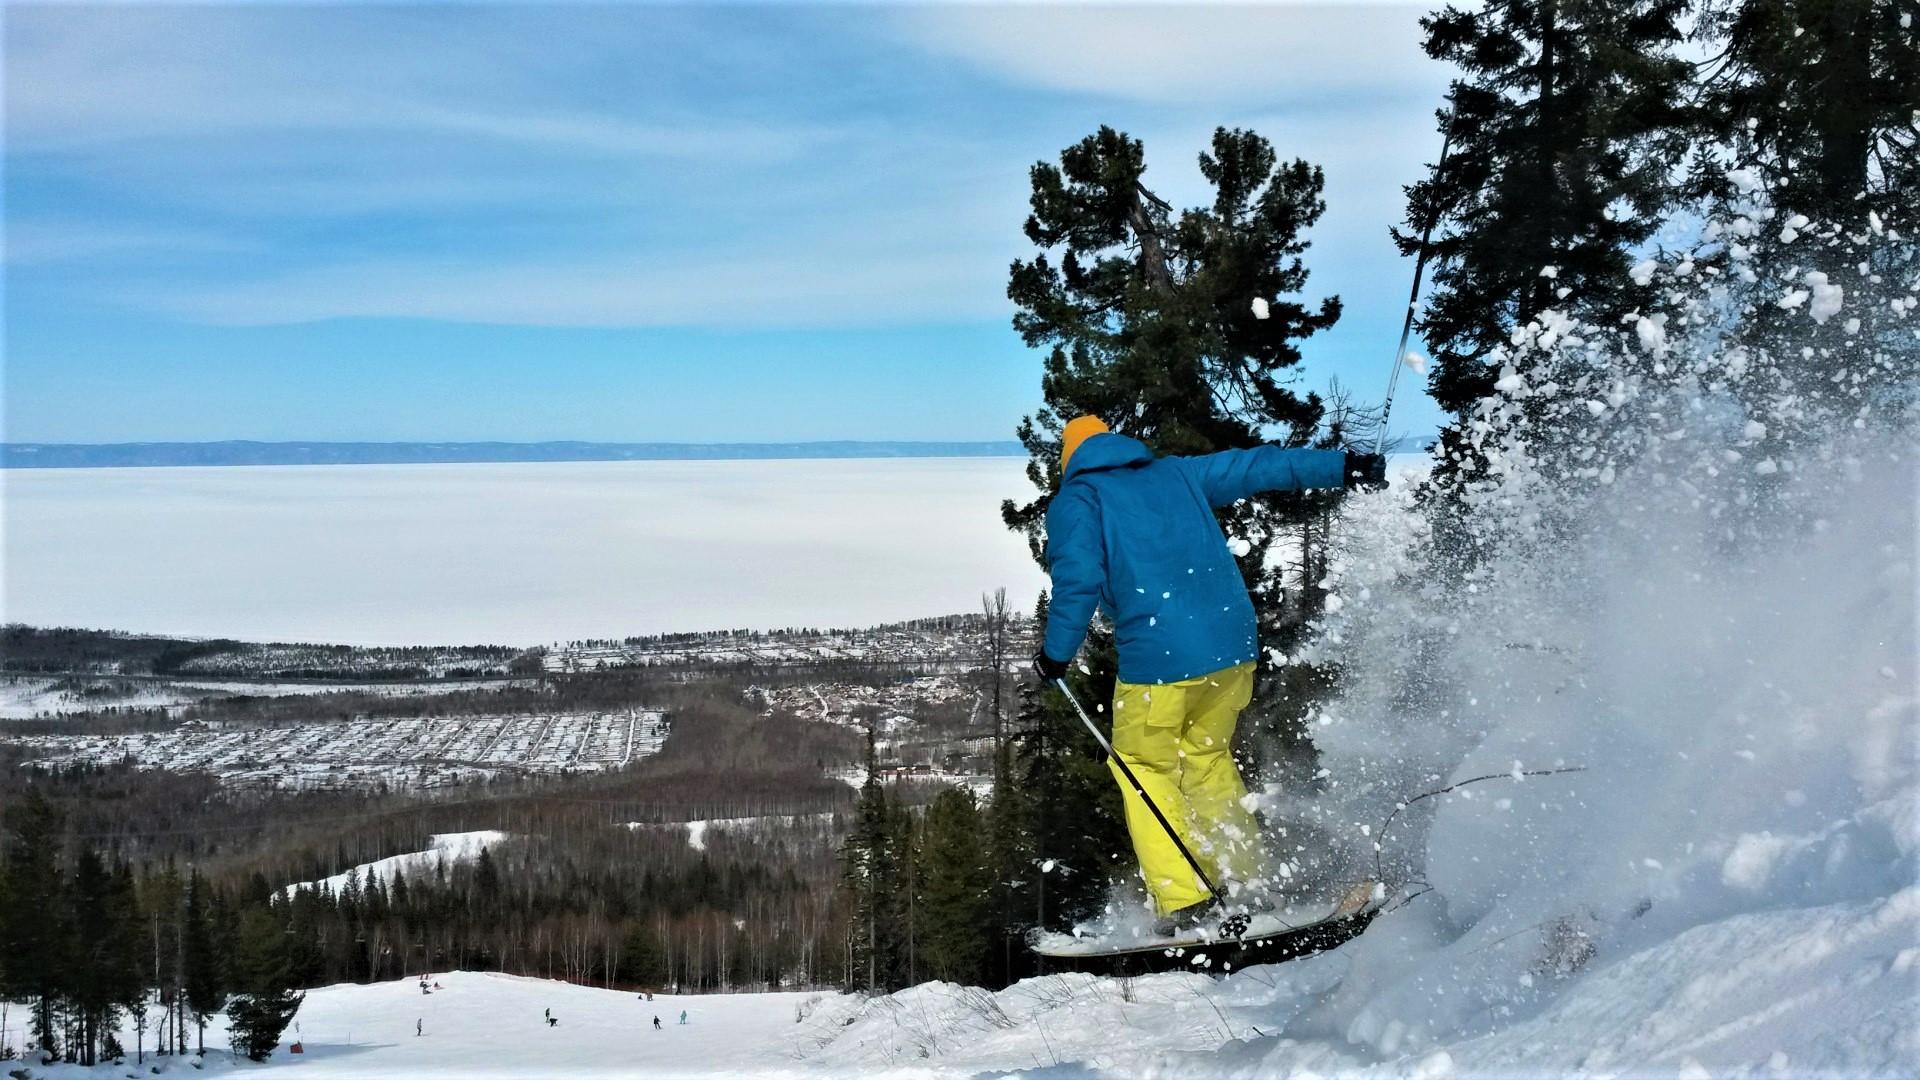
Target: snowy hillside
<point>446,850</point>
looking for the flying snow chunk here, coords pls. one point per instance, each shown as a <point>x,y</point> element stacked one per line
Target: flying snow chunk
<point>1754,431</point>
<point>1827,296</point>
<point>1416,362</point>
<point>1745,181</point>
<point>1550,272</point>
<point>1652,335</point>
<point>1642,271</point>
<point>1793,299</point>
<point>1260,307</point>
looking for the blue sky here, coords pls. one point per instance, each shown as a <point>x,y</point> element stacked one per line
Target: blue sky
<point>628,223</point>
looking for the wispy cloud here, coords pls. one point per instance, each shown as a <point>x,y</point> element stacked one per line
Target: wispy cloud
<point>1186,53</point>
<point>635,166</point>
<point>81,79</point>
<point>30,243</point>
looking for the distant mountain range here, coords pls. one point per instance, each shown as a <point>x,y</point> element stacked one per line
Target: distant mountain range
<point>120,455</point>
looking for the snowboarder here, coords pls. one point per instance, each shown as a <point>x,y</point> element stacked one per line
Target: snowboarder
<point>656,1024</point>
<point>683,1016</point>
<point>419,1027</point>
<point>546,1014</point>
<point>1136,535</point>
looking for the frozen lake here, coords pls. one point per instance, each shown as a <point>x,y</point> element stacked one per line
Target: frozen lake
<point>508,553</point>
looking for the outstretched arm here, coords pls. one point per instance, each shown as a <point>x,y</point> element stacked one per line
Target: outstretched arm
<point>1232,475</point>
<point>1076,557</point>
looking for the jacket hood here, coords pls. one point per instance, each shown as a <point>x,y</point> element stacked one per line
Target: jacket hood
<point>1107,451</point>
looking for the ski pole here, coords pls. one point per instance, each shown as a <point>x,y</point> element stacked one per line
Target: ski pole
<point>1413,300</point>
<point>1113,754</point>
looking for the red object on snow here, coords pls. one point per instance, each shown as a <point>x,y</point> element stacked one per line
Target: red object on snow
<point>296,1048</point>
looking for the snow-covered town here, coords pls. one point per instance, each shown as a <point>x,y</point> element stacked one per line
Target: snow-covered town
<point>384,753</point>
<point>956,643</point>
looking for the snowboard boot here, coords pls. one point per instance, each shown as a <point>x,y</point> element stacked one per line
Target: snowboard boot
<point>1184,919</point>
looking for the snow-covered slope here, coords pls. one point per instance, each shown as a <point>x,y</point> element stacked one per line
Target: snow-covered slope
<point>447,848</point>
<point>1824,991</point>
<point>490,1025</point>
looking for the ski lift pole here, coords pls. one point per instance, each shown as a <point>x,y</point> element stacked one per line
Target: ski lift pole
<point>1114,756</point>
<point>1413,301</point>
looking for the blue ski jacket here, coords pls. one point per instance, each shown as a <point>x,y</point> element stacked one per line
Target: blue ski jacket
<point>1136,535</point>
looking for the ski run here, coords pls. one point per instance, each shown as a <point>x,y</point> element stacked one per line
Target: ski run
<point>1803,992</point>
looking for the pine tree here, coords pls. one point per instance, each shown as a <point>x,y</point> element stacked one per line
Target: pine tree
<point>131,985</point>
<point>955,889</point>
<point>1010,862</point>
<point>91,974</point>
<point>1151,324</point>
<point>1563,132</point>
<point>641,960</point>
<point>867,876</point>
<point>201,979</point>
<point>1077,834</point>
<point>35,930</point>
<point>264,1001</point>
<point>1817,98</point>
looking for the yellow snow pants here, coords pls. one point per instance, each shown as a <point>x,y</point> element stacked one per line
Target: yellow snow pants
<point>1176,737</point>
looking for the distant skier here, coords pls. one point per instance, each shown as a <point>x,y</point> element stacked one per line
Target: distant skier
<point>553,1021</point>
<point>656,1024</point>
<point>683,1016</point>
<point>1136,535</point>
<point>419,1027</point>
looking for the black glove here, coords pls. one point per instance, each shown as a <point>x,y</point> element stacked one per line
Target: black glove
<point>1049,668</point>
<point>1366,471</point>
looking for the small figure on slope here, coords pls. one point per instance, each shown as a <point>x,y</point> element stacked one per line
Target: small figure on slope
<point>656,1023</point>
<point>683,1016</point>
<point>1136,535</point>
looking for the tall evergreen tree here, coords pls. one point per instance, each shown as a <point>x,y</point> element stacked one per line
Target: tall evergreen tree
<point>93,964</point>
<point>872,879</point>
<point>202,978</point>
<point>35,928</point>
<point>1818,98</point>
<point>955,887</point>
<point>1564,130</point>
<point>1009,855</point>
<point>1076,832</point>
<point>264,1001</point>
<point>132,986</point>
<point>1181,331</point>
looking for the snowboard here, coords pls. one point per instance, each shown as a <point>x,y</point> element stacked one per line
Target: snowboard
<point>1291,930</point>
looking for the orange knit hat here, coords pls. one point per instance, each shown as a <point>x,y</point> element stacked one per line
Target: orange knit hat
<point>1078,430</point>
